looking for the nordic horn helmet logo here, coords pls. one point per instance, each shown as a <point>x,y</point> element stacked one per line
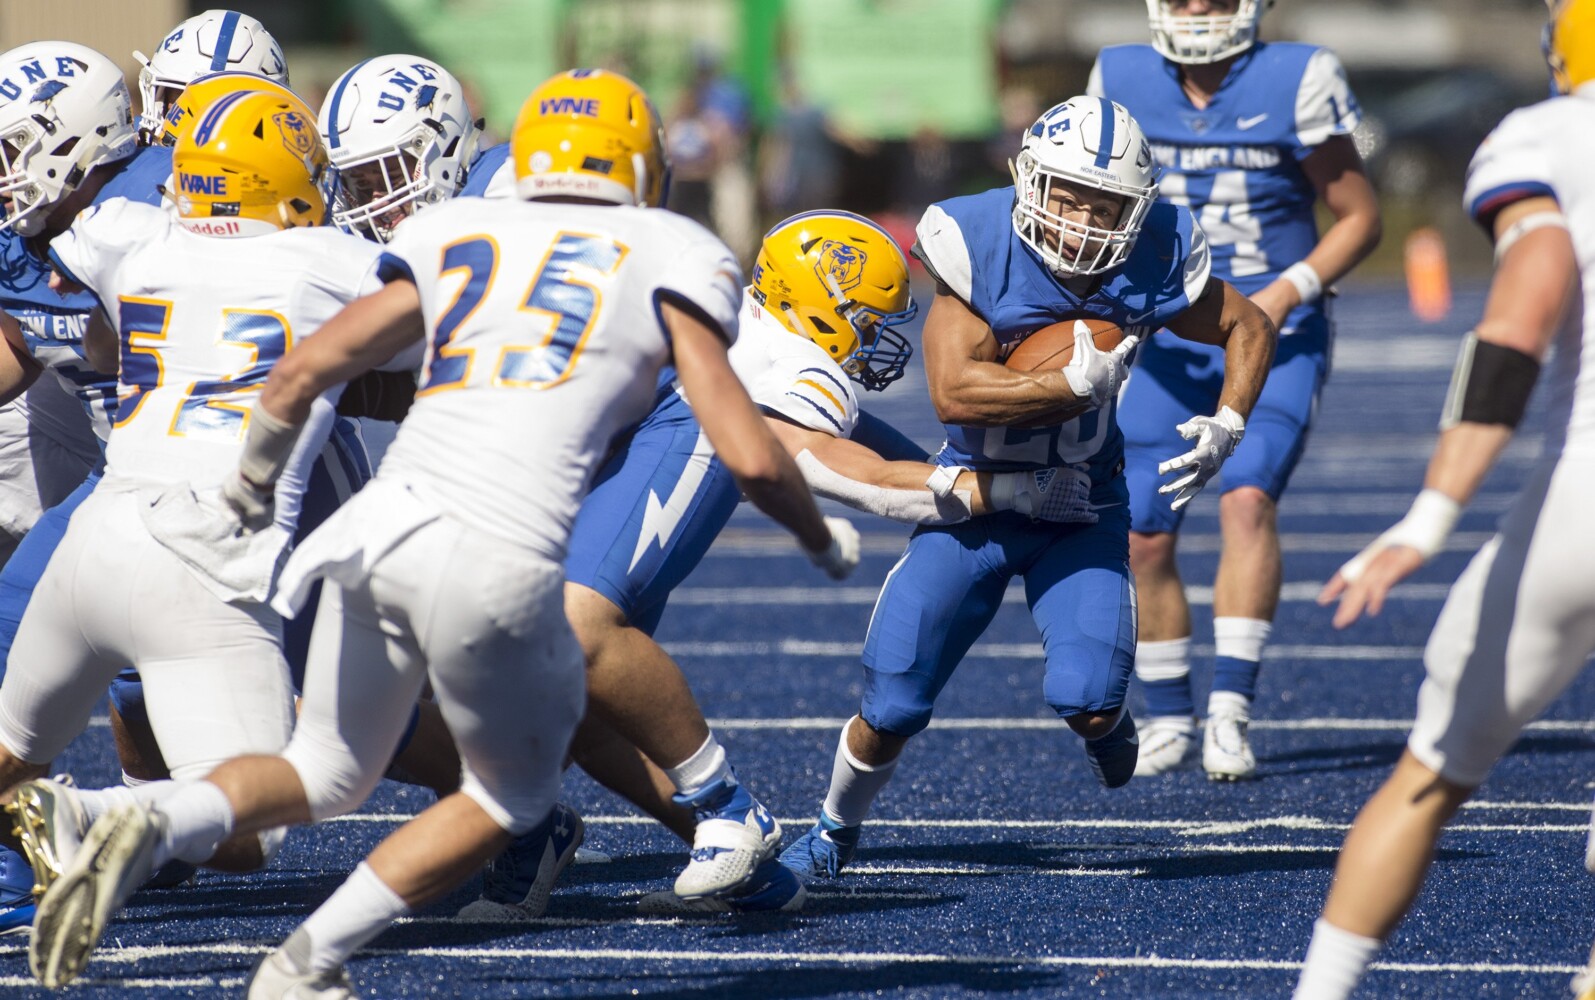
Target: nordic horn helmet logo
<point>425,97</point>
<point>298,132</point>
<point>842,263</point>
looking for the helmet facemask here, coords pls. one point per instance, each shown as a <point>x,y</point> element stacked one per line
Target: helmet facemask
<point>1068,246</point>
<point>1203,38</point>
<point>378,191</point>
<point>883,353</point>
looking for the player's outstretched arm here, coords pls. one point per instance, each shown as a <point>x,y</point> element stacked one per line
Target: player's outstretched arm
<point>763,469</point>
<point>969,387</point>
<point>1336,172</point>
<point>1535,281</point>
<point>364,334</point>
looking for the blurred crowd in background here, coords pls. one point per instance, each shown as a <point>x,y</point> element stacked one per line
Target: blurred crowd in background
<point>883,106</point>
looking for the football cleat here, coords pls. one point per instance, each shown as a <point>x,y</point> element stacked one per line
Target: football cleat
<point>274,979</point>
<point>113,860</point>
<point>824,851</point>
<point>50,823</point>
<point>1112,757</point>
<point>1226,750</point>
<point>517,883</point>
<point>16,893</point>
<point>774,888</point>
<point>1166,741</point>
<point>735,835</point>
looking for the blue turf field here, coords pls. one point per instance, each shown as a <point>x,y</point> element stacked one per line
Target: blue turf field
<point>996,866</point>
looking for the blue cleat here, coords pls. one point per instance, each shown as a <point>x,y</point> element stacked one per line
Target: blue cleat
<point>735,835</point>
<point>772,889</point>
<point>517,883</point>
<point>824,851</point>
<point>1112,757</point>
<point>16,892</point>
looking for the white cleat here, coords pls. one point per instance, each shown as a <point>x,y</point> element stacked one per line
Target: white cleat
<point>1166,742</point>
<point>274,979</point>
<point>735,835</point>
<point>113,861</point>
<point>50,823</point>
<point>1226,749</point>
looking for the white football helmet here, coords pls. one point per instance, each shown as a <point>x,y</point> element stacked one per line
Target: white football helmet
<point>402,137</point>
<point>64,110</point>
<point>1093,143</point>
<point>1204,38</point>
<point>205,43</point>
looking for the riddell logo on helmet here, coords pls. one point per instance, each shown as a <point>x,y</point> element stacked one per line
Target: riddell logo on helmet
<point>212,227</point>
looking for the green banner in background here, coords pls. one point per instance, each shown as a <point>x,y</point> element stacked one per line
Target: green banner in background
<point>885,69</point>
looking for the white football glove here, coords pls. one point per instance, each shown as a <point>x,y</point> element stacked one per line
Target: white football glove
<point>1215,437</point>
<point>254,507</point>
<point>1061,495</point>
<point>840,557</point>
<point>1096,375</point>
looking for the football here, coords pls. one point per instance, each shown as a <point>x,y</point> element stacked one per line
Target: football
<point>1053,346</point>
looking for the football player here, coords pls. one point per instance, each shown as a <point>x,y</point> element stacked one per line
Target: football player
<point>1250,137</point>
<point>1079,234</point>
<point>1519,623</point>
<point>206,299</point>
<point>448,565</point>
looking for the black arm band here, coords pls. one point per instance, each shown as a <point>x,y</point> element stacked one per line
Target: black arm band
<point>1491,385</point>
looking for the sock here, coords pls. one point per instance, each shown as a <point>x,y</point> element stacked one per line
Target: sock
<point>1336,961</point>
<point>1164,668</point>
<point>854,784</point>
<point>1238,652</point>
<point>705,767</point>
<point>135,791</point>
<point>197,818</point>
<point>358,911</point>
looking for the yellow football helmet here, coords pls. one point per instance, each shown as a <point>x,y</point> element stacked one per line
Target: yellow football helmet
<point>184,111</point>
<point>252,164</point>
<point>1570,44</point>
<point>839,280</point>
<point>590,133</point>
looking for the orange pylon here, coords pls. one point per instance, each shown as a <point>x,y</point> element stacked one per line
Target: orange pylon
<point>1428,275</point>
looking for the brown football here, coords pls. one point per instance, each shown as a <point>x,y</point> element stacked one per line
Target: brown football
<point>1053,346</point>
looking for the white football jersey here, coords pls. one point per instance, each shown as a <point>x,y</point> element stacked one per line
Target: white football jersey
<point>201,320</point>
<point>544,339</point>
<point>792,376</point>
<point>1546,149</point>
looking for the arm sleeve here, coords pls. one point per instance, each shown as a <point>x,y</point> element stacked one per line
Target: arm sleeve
<point>1325,105</point>
<point>1516,161</point>
<point>939,242</point>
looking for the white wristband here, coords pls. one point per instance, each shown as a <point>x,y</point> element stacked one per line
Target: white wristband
<point>1306,281</point>
<point>1427,524</point>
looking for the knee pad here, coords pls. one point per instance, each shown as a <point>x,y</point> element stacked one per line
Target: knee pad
<point>127,694</point>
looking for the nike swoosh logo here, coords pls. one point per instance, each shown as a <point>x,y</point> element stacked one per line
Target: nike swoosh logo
<point>1245,123</point>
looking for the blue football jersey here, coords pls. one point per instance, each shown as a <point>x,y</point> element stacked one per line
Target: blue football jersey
<point>53,324</point>
<point>484,167</point>
<point>1237,162</point>
<point>970,245</point>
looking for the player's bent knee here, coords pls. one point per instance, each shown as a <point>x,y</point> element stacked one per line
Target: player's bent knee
<point>335,783</point>
<point>900,721</point>
<point>515,808</point>
<point>1151,551</point>
<point>1247,507</point>
<point>1093,725</point>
